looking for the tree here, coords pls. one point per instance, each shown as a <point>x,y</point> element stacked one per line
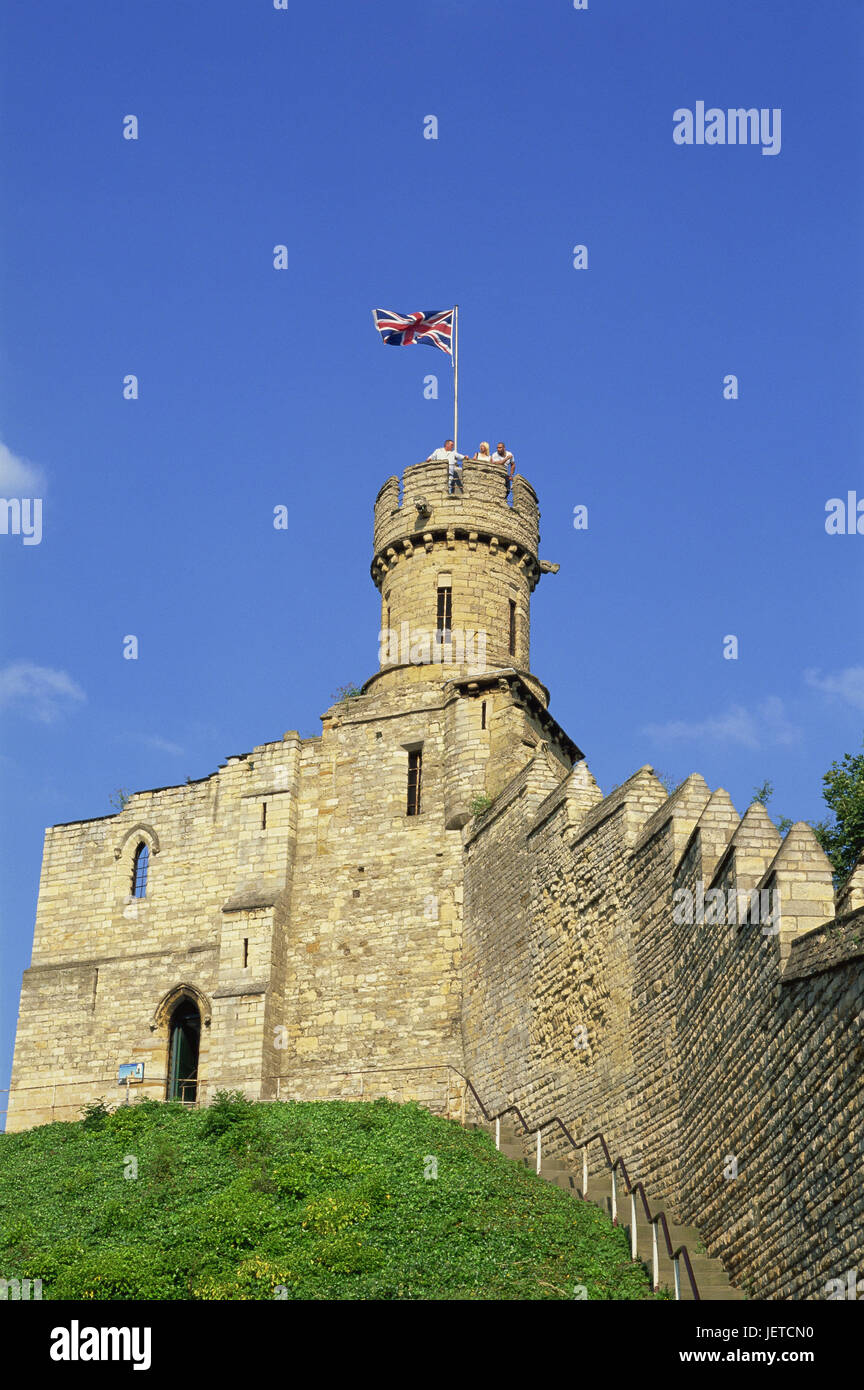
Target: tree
<point>763,795</point>
<point>842,835</point>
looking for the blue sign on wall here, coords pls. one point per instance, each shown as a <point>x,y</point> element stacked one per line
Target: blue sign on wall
<point>128,1073</point>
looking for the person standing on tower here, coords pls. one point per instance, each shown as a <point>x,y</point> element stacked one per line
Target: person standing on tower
<point>454,465</point>
<point>503,456</point>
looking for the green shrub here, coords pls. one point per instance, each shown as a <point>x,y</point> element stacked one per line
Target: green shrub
<point>118,1273</point>
<point>238,1218</point>
<point>130,1120</point>
<point>305,1173</point>
<point>227,1109</point>
<point>331,1212</point>
<point>96,1113</point>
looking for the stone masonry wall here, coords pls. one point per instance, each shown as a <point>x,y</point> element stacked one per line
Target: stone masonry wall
<point>563,903</point>
<point>689,1044</point>
<point>104,961</point>
<point>772,1113</point>
<point>497,967</point>
<point>373,949</point>
<point>320,937</point>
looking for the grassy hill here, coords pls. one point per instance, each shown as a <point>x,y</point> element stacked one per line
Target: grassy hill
<point>323,1200</point>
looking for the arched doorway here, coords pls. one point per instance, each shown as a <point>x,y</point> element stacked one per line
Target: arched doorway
<point>184,1032</point>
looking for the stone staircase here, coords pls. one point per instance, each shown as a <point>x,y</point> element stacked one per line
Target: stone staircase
<point>711,1278</point>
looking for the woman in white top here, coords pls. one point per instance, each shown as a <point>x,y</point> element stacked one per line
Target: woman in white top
<point>482,455</point>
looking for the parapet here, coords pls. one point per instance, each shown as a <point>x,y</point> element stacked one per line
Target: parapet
<point>423,504</point>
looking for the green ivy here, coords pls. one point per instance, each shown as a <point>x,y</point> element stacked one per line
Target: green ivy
<point>296,1200</point>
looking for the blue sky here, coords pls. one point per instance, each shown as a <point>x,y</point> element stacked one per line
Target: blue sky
<point>260,387</point>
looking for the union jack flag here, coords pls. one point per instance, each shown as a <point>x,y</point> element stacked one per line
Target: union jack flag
<point>435,327</point>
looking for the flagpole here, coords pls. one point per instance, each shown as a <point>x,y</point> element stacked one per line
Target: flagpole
<point>456,377</point>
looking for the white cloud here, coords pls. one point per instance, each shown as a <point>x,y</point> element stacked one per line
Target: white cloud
<point>751,728</point>
<point>161,745</point>
<point>846,685</point>
<point>18,478</point>
<point>39,692</point>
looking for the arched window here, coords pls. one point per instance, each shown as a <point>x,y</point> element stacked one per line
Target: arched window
<point>185,1034</point>
<point>139,870</point>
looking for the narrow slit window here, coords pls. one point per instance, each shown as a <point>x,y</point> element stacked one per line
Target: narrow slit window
<point>415,775</point>
<point>444,621</point>
<point>139,870</point>
<point>512,627</point>
<point>264,815</point>
<point>245,952</point>
<point>483,715</point>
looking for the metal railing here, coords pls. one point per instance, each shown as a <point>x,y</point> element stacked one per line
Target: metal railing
<point>199,1091</point>
<point>656,1220</point>
<point>190,1097</point>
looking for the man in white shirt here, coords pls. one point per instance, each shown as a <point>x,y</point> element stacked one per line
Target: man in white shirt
<point>454,465</point>
<point>502,455</point>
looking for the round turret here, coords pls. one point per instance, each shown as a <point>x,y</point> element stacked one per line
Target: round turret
<point>455,572</point>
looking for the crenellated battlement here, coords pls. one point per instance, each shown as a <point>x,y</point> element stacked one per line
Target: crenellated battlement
<point>482,506</point>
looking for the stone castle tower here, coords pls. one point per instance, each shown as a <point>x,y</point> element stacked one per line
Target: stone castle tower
<point>456,574</point>
<point>305,900</point>
<point>437,888</point>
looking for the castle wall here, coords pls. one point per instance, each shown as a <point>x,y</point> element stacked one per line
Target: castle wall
<point>689,1043</point>
<point>323,947</point>
<point>559,938</point>
<point>651,1144</point>
<point>497,962</point>
<point>373,949</point>
<point>103,960</point>
<point>770,1047</point>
